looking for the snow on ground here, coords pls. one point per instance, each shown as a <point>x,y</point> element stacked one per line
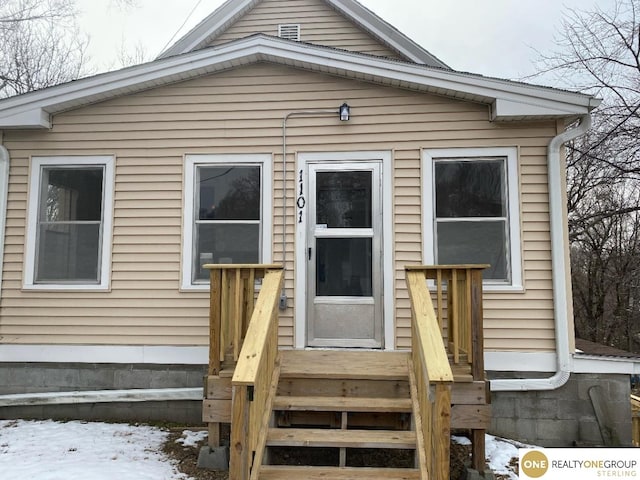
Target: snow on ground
<point>191,439</point>
<point>499,454</point>
<point>50,450</point>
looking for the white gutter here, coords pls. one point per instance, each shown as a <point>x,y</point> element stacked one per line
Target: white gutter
<point>101,396</point>
<point>560,270</point>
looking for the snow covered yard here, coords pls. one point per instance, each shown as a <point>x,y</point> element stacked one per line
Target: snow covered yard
<point>48,450</point>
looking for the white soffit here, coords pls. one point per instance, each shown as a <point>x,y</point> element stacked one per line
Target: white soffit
<point>508,100</point>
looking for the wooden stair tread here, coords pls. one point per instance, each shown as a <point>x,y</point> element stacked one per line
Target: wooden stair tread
<point>271,472</point>
<point>313,437</point>
<point>343,404</point>
<point>462,373</point>
<point>344,365</point>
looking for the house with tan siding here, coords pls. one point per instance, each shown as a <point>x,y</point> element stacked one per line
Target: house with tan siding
<point>305,133</point>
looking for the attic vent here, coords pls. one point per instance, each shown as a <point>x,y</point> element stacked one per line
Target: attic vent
<point>289,31</point>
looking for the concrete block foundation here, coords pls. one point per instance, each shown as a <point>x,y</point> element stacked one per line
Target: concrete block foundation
<point>69,377</point>
<point>564,417</point>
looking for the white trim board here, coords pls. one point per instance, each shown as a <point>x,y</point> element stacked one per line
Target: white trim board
<point>161,355</point>
<point>385,157</point>
<point>596,364</point>
<point>520,361</point>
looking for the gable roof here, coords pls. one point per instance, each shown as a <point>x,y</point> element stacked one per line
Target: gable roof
<point>507,100</point>
<point>222,18</point>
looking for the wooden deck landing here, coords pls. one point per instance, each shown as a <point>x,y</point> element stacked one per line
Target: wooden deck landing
<point>354,364</point>
<point>343,364</point>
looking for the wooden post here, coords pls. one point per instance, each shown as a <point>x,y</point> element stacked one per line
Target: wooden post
<point>478,454</point>
<point>441,431</point>
<point>477,335</point>
<point>215,321</point>
<point>239,467</point>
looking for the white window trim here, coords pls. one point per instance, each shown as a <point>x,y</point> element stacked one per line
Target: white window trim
<point>429,156</point>
<point>108,161</point>
<point>190,164</point>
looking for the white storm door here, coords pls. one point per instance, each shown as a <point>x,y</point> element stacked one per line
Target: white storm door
<point>344,255</point>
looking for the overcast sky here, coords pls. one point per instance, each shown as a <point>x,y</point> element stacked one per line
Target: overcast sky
<point>491,37</point>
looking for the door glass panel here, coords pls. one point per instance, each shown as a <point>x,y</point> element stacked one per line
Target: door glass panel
<point>344,199</point>
<point>343,267</point>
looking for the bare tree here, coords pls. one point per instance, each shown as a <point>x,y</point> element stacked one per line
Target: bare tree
<point>41,45</point>
<point>599,53</point>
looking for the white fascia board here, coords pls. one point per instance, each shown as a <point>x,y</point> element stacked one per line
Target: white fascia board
<point>596,364</point>
<point>321,59</point>
<point>210,27</point>
<point>216,23</point>
<point>386,33</point>
<point>34,117</point>
<point>444,82</point>
<point>505,109</point>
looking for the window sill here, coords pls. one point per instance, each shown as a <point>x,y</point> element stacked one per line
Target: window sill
<point>52,287</point>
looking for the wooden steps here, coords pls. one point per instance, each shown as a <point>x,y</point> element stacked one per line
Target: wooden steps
<point>271,472</point>
<point>342,404</point>
<point>338,438</point>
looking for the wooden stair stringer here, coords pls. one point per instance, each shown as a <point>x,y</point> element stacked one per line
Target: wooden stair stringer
<point>357,377</point>
<point>417,424</point>
<point>264,425</point>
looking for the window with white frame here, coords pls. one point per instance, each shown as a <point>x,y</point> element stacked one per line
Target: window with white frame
<point>69,224</point>
<point>472,212</point>
<point>227,213</point>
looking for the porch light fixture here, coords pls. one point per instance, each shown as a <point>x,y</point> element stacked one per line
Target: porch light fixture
<point>345,111</point>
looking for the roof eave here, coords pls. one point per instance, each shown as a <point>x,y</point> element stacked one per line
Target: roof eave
<point>508,100</point>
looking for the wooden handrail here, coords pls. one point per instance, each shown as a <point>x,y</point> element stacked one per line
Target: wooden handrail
<point>232,293</point>
<point>433,378</point>
<point>458,297</point>
<point>254,377</point>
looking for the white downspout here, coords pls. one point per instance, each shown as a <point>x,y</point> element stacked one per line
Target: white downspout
<point>4,191</point>
<point>560,270</point>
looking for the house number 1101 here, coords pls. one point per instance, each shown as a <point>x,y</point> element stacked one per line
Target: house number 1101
<point>301,202</point>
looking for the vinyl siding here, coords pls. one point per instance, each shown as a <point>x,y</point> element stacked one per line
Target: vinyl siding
<point>319,24</point>
<point>233,112</point>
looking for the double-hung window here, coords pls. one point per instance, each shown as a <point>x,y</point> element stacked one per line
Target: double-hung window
<point>472,211</point>
<point>227,213</point>
<point>69,225</point>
